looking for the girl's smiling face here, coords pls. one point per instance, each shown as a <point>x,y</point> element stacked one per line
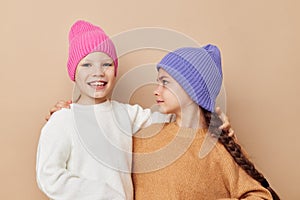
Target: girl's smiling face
<point>170,96</point>
<point>95,78</point>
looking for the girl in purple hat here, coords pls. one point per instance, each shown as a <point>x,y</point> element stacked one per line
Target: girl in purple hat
<point>191,158</point>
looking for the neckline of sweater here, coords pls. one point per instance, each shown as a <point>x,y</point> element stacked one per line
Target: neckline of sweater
<point>104,106</point>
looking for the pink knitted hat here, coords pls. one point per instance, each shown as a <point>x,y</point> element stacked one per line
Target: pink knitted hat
<point>85,38</point>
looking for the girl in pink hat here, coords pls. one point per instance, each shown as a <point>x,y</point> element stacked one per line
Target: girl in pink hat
<point>86,152</point>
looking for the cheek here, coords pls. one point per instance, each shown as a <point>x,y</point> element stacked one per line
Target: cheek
<point>170,97</point>
<point>184,100</point>
<point>79,81</point>
<point>173,93</point>
<point>80,85</point>
<point>81,74</point>
<point>110,74</point>
<point>183,97</point>
<point>112,80</point>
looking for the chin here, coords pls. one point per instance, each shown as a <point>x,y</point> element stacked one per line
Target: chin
<point>163,111</point>
<point>100,95</point>
<point>99,98</point>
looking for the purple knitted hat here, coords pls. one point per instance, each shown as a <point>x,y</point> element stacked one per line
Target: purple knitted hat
<point>198,71</point>
<point>85,38</point>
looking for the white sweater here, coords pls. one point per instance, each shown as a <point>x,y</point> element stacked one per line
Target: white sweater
<point>86,152</point>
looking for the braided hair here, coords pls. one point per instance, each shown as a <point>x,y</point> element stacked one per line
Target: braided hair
<point>213,123</point>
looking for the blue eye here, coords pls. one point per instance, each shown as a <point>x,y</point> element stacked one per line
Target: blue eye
<point>164,82</point>
<point>86,65</point>
<point>107,64</point>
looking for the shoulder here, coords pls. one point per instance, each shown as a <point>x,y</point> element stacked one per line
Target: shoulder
<point>63,114</point>
<point>150,131</point>
<point>118,105</point>
<point>129,108</point>
<point>213,149</point>
<point>59,120</point>
<point>124,105</point>
<point>56,133</point>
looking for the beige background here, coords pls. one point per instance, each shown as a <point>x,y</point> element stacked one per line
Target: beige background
<point>260,47</point>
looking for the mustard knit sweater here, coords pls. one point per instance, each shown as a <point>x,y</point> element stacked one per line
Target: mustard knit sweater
<point>167,165</point>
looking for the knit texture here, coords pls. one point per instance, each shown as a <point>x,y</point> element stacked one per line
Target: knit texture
<point>198,71</point>
<point>85,38</point>
<point>68,168</point>
<point>216,176</point>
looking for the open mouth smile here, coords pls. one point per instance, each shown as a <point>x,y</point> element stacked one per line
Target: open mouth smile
<point>98,85</point>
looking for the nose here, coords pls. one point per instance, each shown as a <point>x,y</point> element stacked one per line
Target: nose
<point>157,91</point>
<point>98,71</point>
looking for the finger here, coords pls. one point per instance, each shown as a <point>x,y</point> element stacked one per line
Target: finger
<point>51,111</point>
<point>224,118</point>
<point>232,134</point>
<point>221,115</point>
<point>225,126</point>
<point>47,117</point>
<point>60,106</point>
<point>63,104</point>
<point>54,109</point>
<point>218,110</point>
<point>66,105</point>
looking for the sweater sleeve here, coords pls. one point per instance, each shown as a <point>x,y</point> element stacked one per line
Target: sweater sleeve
<point>53,177</point>
<point>239,184</point>
<point>142,118</point>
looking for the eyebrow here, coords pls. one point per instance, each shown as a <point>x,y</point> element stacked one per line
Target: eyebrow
<point>162,77</point>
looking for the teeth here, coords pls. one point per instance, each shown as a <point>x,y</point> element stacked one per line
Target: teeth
<point>97,84</point>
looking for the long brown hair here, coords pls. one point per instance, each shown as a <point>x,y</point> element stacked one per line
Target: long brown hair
<point>213,123</point>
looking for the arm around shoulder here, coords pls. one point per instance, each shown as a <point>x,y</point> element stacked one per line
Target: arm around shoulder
<point>142,118</point>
